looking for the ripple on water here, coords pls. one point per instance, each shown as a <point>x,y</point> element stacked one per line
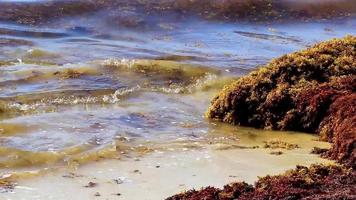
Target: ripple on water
<point>50,140</point>
<point>63,102</point>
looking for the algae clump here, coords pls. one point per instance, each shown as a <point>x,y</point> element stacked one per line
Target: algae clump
<point>312,90</point>
<point>315,182</point>
<point>2,107</point>
<point>267,97</point>
<point>4,63</point>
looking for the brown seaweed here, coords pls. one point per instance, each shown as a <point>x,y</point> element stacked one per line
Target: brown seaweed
<point>312,91</point>
<point>315,182</point>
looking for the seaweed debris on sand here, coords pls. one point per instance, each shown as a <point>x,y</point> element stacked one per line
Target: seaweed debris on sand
<point>315,182</point>
<point>312,90</point>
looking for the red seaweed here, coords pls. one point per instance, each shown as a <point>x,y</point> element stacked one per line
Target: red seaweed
<point>314,182</point>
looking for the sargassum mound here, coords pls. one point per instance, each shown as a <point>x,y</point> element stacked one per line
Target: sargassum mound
<point>312,90</point>
<point>315,182</point>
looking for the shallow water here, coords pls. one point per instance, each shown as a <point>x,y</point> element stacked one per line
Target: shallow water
<point>78,87</point>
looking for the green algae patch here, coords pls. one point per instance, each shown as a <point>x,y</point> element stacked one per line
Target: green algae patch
<point>278,144</point>
<point>38,53</point>
<point>14,158</point>
<point>217,83</point>
<point>312,90</point>
<point>168,69</point>
<point>167,76</point>
<point>2,63</point>
<point>315,182</point>
<point>5,63</point>
<point>8,129</point>
<point>40,57</point>
<point>2,107</point>
<point>78,72</point>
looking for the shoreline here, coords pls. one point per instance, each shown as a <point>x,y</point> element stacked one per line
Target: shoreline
<point>312,90</point>
<point>108,99</point>
<point>161,174</point>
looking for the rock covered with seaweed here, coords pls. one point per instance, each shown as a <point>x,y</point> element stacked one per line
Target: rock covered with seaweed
<point>312,90</point>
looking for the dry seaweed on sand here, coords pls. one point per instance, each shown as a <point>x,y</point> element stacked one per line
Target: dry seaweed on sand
<point>276,153</point>
<point>315,182</point>
<point>340,128</point>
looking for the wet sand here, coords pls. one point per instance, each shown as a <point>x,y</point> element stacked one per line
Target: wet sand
<point>163,173</point>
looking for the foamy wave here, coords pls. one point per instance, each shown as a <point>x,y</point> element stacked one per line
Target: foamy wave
<point>114,98</point>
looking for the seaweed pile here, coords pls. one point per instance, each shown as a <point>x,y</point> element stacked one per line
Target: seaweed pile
<point>315,182</point>
<point>312,91</point>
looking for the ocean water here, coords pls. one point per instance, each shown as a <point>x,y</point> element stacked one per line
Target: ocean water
<point>82,81</point>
